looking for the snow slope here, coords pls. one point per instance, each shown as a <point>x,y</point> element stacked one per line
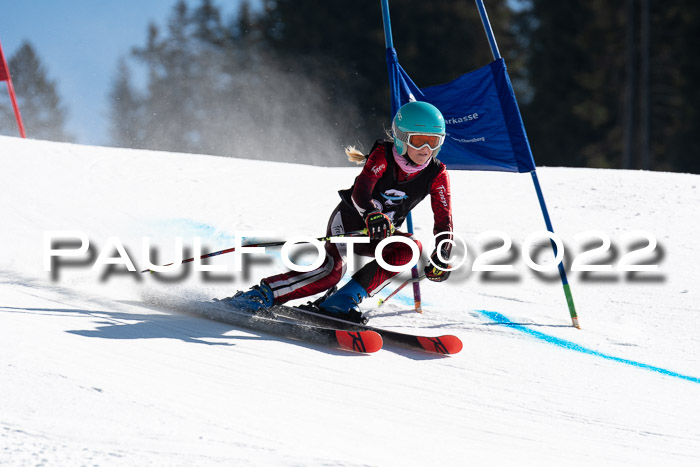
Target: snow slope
<point>92,372</point>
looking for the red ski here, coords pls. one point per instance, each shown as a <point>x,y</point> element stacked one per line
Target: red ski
<point>445,345</point>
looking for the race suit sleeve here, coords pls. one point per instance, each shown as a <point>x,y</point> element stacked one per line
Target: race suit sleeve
<point>374,168</point>
<point>441,203</point>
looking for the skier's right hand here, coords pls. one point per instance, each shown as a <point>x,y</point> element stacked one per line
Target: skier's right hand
<point>379,226</point>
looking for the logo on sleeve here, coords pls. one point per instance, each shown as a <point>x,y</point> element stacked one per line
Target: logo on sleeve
<point>441,193</point>
<point>378,168</point>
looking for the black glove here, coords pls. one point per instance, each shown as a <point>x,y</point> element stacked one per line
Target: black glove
<point>434,274</point>
<point>379,226</point>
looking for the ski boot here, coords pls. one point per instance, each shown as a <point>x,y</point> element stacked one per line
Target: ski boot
<point>343,304</point>
<point>255,299</point>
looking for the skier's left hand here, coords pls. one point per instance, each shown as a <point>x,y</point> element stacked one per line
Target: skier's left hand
<point>433,273</point>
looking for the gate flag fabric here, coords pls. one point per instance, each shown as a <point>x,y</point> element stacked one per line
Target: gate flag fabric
<point>4,73</point>
<point>484,128</point>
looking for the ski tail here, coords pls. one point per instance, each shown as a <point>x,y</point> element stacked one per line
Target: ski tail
<point>359,341</point>
<point>448,345</point>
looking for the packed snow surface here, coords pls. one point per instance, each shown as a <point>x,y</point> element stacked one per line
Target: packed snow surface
<point>94,371</point>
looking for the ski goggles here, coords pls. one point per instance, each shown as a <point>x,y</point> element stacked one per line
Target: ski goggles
<point>418,140</point>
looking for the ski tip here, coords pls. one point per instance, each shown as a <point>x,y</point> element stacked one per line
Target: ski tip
<point>448,345</point>
<point>359,341</point>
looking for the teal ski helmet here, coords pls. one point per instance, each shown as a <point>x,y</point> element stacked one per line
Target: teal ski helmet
<point>417,117</point>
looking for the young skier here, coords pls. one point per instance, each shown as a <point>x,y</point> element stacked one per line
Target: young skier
<point>396,176</point>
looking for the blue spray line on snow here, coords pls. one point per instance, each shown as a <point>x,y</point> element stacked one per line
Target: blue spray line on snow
<point>211,237</point>
<point>500,319</point>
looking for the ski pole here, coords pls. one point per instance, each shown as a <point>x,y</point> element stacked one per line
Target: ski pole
<point>409,281</point>
<point>356,233</point>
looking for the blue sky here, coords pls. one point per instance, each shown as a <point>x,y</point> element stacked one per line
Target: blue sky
<point>79,43</point>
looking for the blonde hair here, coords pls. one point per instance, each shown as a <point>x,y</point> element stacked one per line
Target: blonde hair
<point>357,156</point>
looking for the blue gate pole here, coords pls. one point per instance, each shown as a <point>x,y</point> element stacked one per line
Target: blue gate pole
<point>538,189</point>
<point>389,41</point>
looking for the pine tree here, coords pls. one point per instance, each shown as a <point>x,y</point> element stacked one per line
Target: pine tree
<point>587,105</point>
<point>168,106</point>
<point>126,129</point>
<point>43,114</point>
<point>675,96</point>
<point>553,54</point>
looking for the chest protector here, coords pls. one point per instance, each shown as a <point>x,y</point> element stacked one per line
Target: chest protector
<point>394,198</point>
